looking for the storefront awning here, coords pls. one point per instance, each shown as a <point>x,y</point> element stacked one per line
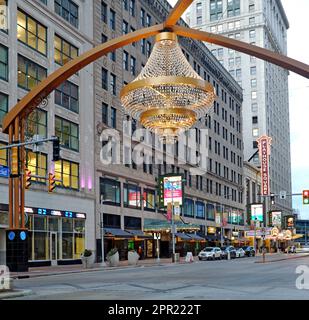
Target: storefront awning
<point>118,233</point>
<point>211,237</point>
<point>152,225</point>
<point>195,237</point>
<point>182,236</point>
<point>140,234</point>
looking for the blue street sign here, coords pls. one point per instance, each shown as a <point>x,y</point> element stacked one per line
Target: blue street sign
<point>4,171</point>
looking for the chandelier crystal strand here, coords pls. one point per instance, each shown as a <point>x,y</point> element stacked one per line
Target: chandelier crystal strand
<point>168,96</point>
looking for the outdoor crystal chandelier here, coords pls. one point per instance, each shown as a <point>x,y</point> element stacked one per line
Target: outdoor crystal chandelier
<point>168,96</point>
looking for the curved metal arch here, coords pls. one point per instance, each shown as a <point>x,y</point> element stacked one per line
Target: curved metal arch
<point>42,90</point>
<point>264,54</point>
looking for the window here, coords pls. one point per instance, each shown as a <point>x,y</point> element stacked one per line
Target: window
<point>149,200</point>
<point>29,73</point>
<point>112,19</point>
<point>4,61</point>
<point>238,60</point>
<point>143,16</point>
<point>131,196</point>
<point>37,164</point>
<point>64,51</point>
<point>66,95</point>
<point>254,107</point>
<point>133,43</point>
<point>255,145</point>
<point>252,34</point>
<point>233,8</point>
<point>68,172</point>
<point>110,190</point>
<point>189,208</point>
<point>253,83</point>
<point>199,20</point>
<point>125,27</point>
<point>4,103</point>
<point>253,95</point>
<point>132,8</point>
<point>251,7</point>
<point>113,84</point>
<point>105,113</point>
<point>237,24</point>
<point>3,155</point>
<point>253,71</point>
<point>104,79</point>
<point>37,123</point>
<point>31,32</point>
<point>210,211</point>
<point>231,62</point>
<point>143,46</point>
<point>238,73</point>
<point>104,12</point>
<point>148,49</point>
<point>133,66</point>
<point>67,132</point>
<point>125,4</point>
<point>125,61</point>
<point>113,118</point>
<point>104,38</point>
<point>255,120</point>
<point>112,56</point>
<point>148,20</point>
<point>200,210</point>
<point>68,10</point>
<point>255,132</point>
<point>252,20</point>
<point>216,9</point>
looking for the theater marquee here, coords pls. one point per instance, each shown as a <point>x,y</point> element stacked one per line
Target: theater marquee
<point>264,152</point>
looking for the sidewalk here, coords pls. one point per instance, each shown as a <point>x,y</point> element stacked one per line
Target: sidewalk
<point>55,270</point>
<point>275,257</point>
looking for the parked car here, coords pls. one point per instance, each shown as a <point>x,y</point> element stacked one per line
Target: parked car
<point>249,251</point>
<point>229,249</point>
<point>290,249</point>
<point>240,253</point>
<point>210,253</point>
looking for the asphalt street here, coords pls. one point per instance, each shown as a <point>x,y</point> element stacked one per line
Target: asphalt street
<point>235,279</point>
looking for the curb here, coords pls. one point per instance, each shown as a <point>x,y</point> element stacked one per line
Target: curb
<point>15,294</point>
<point>27,276</point>
<point>284,259</point>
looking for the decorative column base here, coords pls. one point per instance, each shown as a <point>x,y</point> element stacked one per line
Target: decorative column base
<point>17,250</point>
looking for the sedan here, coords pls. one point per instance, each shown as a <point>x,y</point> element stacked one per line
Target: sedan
<point>249,251</point>
<point>240,253</point>
<point>229,250</point>
<point>210,253</point>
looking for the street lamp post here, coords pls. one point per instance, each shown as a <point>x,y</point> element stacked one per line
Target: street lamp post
<point>103,264</point>
<point>173,224</point>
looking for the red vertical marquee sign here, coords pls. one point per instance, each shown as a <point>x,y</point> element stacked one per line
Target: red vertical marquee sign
<point>264,152</point>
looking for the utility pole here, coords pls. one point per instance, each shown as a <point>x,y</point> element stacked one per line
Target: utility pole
<point>103,264</point>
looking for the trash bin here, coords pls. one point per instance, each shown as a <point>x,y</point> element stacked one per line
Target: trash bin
<point>176,257</point>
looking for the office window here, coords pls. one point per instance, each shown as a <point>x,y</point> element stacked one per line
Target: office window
<point>254,107</point>
<point>68,172</point>
<point>68,10</point>
<point>148,49</point>
<point>255,120</point>
<point>125,60</point>
<point>255,145</point>
<point>112,19</point>
<point>104,12</point>
<point>113,118</point>
<point>110,190</point>
<point>66,95</point>
<point>253,95</point>
<point>3,155</point>
<point>149,200</point>
<point>29,73</point>
<point>216,9</point>
<point>252,20</point>
<point>238,73</point>
<point>255,132</point>
<point>37,123</point>
<point>105,113</point>
<point>37,164</point>
<point>4,105</point>
<point>132,8</point>
<point>131,196</point>
<point>148,20</point>
<point>67,132</point>
<point>237,24</point>
<point>233,8</point>
<point>200,210</point>
<point>199,20</point>
<point>189,208</point>
<point>143,17</point>
<point>252,34</point>
<point>253,71</point>
<point>64,51</point>
<point>253,83</point>
<point>31,32</point>
<point>143,46</point>
<point>112,56</point>
<point>4,62</point>
<point>125,27</point>
<point>113,85</point>
<point>133,66</point>
<point>238,60</point>
<point>103,38</point>
<point>251,7</point>
<point>104,79</point>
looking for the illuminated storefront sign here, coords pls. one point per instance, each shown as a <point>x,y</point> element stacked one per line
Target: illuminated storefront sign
<point>289,222</point>
<point>211,230</point>
<point>56,213</point>
<point>257,212</point>
<point>264,152</point>
<point>275,218</point>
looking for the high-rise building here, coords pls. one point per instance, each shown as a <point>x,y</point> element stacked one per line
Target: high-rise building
<point>265,86</point>
<point>41,37</point>
<point>126,193</point>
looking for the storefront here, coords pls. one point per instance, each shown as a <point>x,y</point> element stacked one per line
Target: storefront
<point>55,236</point>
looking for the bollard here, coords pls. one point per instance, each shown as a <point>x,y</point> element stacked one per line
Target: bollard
<point>228,255</point>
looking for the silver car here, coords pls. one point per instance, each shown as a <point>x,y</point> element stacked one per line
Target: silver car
<point>210,253</point>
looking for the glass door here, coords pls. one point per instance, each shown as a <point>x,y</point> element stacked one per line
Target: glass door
<point>53,248</point>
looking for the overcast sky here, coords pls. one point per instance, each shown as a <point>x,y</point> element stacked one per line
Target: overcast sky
<point>298,48</point>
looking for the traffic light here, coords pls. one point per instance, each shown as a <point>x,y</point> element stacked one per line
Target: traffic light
<point>51,182</point>
<point>27,177</point>
<point>56,149</point>
<point>272,198</point>
<point>306,197</point>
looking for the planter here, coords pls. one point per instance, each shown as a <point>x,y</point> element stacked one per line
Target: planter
<point>114,260</point>
<point>133,257</point>
<point>88,262</point>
